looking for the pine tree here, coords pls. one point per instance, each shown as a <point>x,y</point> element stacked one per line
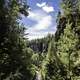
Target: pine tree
<point>68,39</point>
<point>66,46</point>
<point>14,55</point>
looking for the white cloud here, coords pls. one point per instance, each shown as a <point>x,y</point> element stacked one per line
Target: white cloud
<point>31,14</point>
<point>48,9</point>
<point>38,35</point>
<point>36,15</point>
<point>45,7</point>
<point>43,20</point>
<point>41,5</point>
<point>35,34</point>
<point>44,23</point>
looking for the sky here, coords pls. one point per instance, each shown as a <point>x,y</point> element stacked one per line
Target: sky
<point>42,18</point>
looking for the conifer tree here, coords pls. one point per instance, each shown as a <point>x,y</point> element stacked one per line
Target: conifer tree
<point>66,48</point>
<point>14,55</point>
<point>68,40</point>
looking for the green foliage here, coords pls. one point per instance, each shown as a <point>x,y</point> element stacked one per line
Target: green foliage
<point>49,58</point>
<point>40,45</point>
<point>15,58</point>
<point>67,43</point>
<point>67,40</point>
<point>51,69</point>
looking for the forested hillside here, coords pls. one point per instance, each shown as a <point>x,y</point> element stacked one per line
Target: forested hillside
<point>54,57</point>
<point>41,45</point>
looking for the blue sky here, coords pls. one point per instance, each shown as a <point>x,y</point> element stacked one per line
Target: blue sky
<point>42,18</point>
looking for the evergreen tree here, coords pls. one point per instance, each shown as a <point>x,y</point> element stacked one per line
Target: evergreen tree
<point>66,48</point>
<point>67,38</point>
<point>51,66</point>
<point>14,56</point>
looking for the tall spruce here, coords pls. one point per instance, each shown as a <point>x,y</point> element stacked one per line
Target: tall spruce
<point>69,40</point>
<point>14,55</point>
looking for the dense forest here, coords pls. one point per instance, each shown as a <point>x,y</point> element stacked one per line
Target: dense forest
<point>55,57</point>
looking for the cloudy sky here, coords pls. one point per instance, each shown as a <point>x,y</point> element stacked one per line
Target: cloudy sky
<point>42,18</point>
